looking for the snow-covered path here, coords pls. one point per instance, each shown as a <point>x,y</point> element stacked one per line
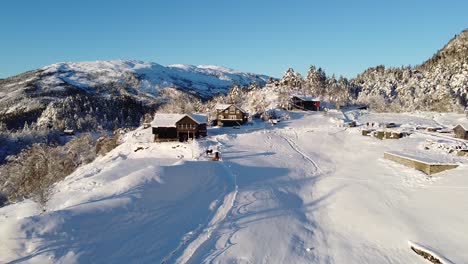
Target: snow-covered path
<point>317,193</point>
<point>268,197</point>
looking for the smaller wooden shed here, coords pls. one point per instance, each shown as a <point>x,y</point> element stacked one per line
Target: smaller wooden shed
<point>460,131</point>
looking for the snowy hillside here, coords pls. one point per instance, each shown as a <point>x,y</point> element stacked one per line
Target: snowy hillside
<point>439,84</point>
<point>295,192</point>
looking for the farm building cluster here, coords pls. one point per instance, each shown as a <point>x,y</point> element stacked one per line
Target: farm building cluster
<point>183,127</point>
<point>446,140</point>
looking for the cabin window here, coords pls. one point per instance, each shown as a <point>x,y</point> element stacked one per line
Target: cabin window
<point>232,117</point>
<point>226,111</point>
<point>232,109</point>
<point>237,112</point>
<point>186,126</point>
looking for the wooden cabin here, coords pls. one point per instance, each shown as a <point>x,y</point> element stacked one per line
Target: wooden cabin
<point>230,115</point>
<point>305,103</point>
<point>460,132</point>
<point>178,127</point>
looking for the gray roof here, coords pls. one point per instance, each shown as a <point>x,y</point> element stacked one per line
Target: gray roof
<point>199,118</point>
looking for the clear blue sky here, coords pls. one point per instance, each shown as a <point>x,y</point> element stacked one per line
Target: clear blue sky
<point>261,36</point>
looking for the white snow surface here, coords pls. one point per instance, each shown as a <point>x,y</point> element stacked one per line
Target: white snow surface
<point>305,190</point>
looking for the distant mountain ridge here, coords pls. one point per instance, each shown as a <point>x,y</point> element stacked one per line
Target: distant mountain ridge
<point>148,77</point>
<point>25,97</point>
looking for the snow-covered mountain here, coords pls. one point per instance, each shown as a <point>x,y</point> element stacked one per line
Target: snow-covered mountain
<point>147,77</point>
<point>439,84</point>
<point>24,97</point>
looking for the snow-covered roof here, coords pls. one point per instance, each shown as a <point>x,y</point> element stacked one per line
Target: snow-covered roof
<point>226,106</point>
<point>419,158</point>
<point>462,126</point>
<point>199,118</point>
<point>222,106</point>
<point>166,120</point>
<point>170,120</point>
<point>307,98</point>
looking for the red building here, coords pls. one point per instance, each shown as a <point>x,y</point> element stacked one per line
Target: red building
<point>305,103</point>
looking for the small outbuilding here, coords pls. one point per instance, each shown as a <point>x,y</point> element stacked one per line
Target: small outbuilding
<point>307,103</point>
<point>366,132</point>
<point>426,165</point>
<point>179,127</point>
<point>460,132</point>
<point>230,115</point>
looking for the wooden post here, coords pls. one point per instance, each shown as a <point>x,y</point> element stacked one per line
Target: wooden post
<point>216,157</point>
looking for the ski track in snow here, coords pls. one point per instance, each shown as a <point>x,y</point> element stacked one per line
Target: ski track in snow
<point>296,148</point>
<point>227,227</point>
<point>222,212</point>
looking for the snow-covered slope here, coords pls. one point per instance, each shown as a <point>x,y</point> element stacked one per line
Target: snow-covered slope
<point>123,207</point>
<point>439,84</point>
<point>306,190</point>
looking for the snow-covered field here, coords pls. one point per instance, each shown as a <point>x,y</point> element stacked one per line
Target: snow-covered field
<point>306,190</point>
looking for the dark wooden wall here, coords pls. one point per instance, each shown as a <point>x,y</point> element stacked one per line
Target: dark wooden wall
<point>227,113</point>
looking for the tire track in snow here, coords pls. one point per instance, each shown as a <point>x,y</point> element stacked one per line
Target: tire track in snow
<point>219,216</point>
<point>296,148</point>
<point>194,235</point>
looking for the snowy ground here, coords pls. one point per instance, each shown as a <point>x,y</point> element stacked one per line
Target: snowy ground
<point>303,191</point>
